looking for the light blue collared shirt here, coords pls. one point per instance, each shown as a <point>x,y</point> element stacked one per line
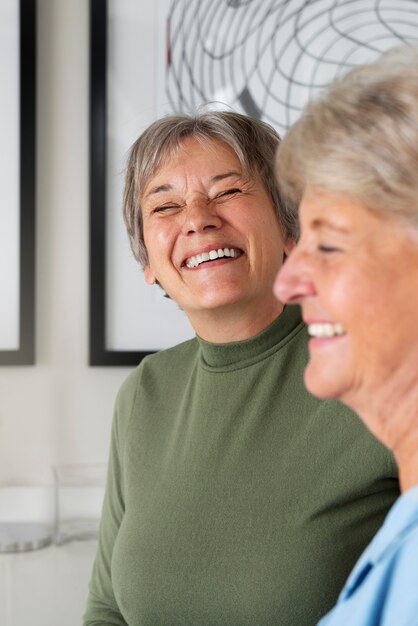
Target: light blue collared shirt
<point>382,589</point>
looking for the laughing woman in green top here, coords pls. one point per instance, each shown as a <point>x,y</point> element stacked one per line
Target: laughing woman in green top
<point>232,495</point>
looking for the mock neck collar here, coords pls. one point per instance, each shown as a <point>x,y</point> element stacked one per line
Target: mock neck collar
<point>240,354</point>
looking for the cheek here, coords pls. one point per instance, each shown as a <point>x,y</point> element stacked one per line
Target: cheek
<point>337,294</point>
<point>157,242</point>
<point>363,306</point>
<point>354,298</point>
<point>267,237</point>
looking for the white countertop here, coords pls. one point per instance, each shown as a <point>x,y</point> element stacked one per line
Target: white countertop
<point>46,587</point>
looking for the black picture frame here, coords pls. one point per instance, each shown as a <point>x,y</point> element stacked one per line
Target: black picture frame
<point>25,353</point>
<point>98,20</point>
<point>102,352</point>
<point>99,354</point>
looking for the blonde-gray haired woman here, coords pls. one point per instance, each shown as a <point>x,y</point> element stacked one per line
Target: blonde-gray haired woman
<point>352,159</point>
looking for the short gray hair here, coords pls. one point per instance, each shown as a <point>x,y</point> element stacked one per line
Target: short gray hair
<point>253,141</point>
<point>360,138</point>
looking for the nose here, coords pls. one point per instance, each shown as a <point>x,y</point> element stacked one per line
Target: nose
<point>294,282</point>
<point>200,216</point>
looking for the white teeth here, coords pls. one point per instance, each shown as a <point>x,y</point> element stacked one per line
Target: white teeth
<point>325,330</point>
<point>196,260</point>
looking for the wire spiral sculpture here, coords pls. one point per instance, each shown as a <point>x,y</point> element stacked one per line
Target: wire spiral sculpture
<point>266,58</point>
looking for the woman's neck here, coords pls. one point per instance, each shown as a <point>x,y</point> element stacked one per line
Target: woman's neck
<point>230,324</point>
<point>403,435</point>
<point>391,414</point>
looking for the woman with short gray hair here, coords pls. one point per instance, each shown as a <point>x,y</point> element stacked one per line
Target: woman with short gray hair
<point>254,143</point>
<point>229,485</point>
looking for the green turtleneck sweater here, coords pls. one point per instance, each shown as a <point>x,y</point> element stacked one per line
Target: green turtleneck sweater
<point>234,497</point>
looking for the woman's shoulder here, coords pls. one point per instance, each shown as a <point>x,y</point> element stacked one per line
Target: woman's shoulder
<point>166,362</point>
<point>177,356</point>
<point>401,525</point>
<point>153,369</point>
<point>382,588</point>
<point>178,353</point>
<point>401,565</point>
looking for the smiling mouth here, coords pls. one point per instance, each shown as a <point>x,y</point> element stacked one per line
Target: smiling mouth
<point>212,255</point>
<point>325,330</point>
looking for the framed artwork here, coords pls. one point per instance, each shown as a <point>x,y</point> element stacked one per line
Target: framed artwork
<point>128,319</point>
<point>17,172</point>
<point>265,59</point>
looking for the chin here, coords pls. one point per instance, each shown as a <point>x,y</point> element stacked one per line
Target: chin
<point>322,384</point>
<point>214,299</point>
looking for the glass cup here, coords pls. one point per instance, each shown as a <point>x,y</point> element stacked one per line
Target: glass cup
<point>78,495</point>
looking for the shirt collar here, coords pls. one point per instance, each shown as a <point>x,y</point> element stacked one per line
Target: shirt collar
<point>240,354</point>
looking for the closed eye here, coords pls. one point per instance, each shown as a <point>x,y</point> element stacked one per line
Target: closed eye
<point>165,207</point>
<point>228,192</point>
<point>328,249</point>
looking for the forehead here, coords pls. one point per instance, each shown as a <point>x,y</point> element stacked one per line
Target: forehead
<point>322,209</point>
<point>193,152</point>
<point>193,159</point>
<point>380,239</point>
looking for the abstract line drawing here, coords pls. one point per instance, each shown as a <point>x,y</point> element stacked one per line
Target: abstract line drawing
<point>266,58</point>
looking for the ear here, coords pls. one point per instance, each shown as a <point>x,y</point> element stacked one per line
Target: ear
<point>289,244</point>
<point>149,275</point>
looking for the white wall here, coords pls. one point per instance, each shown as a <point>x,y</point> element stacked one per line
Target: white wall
<point>59,410</point>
